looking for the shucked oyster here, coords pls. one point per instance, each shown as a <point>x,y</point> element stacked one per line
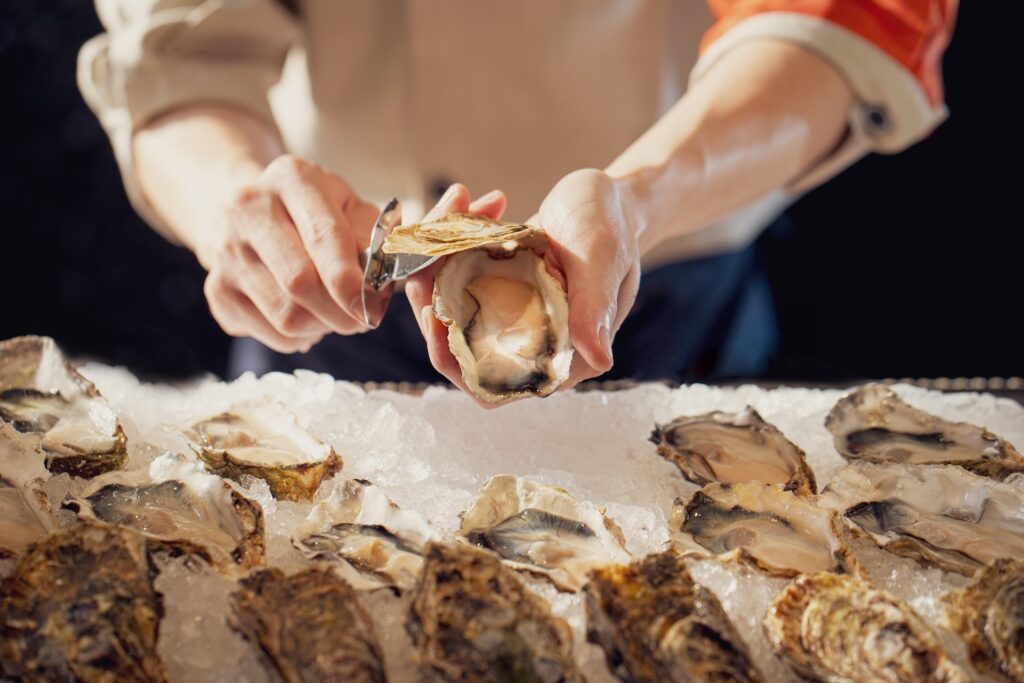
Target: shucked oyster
<point>265,441</point>
<point>938,514</point>
<point>359,527</point>
<point>766,526</point>
<point>838,629</point>
<point>656,625</point>
<point>60,411</point>
<point>872,423</point>
<point>308,626</point>
<point>989,614</point>
<point>543,530</point>
<point>507,317</point>
<point>24,510</point>
<point>731,448</point>
<point>473,621</point>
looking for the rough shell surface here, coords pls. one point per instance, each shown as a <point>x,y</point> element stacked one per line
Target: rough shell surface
<point>454,233</point>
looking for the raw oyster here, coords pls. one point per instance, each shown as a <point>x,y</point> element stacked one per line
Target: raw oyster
<point>838,629</point>
<point>543,530</point>
<point>358,526</point>
<point>507,316</point>
<point>81,606</point>
<point>308,626</point>
<point>265,441</point>
<point>181,509</point>
<point>655,624</point>
<point>765,526</point>
<point>24,510</point>
<point>472,620</point>
<point>49,402</point>
<point>989,614</point>
<point>872,423</point>
<point>943,515</point>
<point>731,448</point>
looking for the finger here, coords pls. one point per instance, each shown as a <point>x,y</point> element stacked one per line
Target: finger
<point>239,317</point>
<point>286,316</point>
<point>492,205</point>
<point>436,335</point>
<point>455,198</point>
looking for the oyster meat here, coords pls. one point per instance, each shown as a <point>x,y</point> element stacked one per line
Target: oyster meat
<point>839,629</point>
<point>942,515</point>
<point>473,621</point>
<point>181,509</point>
<point>989,614</point>
<point>543,530</point>
<point>308,627</point>
<point>656,625</point>
<point>763,525</point>
<point>731,448</point>
<point>359,527</point>
<point>81,606</point>
<point>48,402</point>
<point>873,424</point>
<point>507,316</point>
<point>265,441</point>
<point>24,510</point>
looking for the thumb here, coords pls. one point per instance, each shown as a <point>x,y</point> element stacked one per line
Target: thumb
<point>593,305</point>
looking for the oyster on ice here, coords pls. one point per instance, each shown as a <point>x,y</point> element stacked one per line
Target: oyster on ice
<point>472,620</point>
<point>266,442</point>
<point>181,509</point>
<point>24,509</point>
<point>543,530</point>
<point>942,515</point>
<point>731,448</point>
<point>763,525</point>
<point>47,401</point>
<point>308,626</point>
<point>839,629</point>
<point>360,527</point>
<point>656,625</point>
<point>81,606</point>
<point>874,424</point>
<point>989,614</point>
<point>507,316</point>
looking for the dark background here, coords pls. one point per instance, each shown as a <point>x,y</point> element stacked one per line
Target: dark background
<point>903,266</point>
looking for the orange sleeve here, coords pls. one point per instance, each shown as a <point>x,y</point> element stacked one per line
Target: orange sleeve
<point>914,33</point>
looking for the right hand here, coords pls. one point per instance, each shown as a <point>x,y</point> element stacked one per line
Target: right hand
<point>284,266</point>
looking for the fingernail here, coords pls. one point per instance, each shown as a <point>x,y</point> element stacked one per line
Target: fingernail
<point>448,195</point>
<point>489,197</point>
<point>604,338</point>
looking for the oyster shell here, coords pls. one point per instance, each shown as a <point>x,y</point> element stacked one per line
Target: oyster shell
<point>359,527</point>
<point>655,624</point>
<point>839,629</point>
<point>731,448</point>
<point>543,530</point>
<point>507,317</point>
<point>941,515</point>
<point>873,424</point>
<point>989,614</point>
<point>45,399</point>
<point>181,509</point>
<point>472,620</point>
<point>24,509</point>
<point>81,606</point>
<point>308,626</point>
<point>765,526</point>
<point>267,442</point>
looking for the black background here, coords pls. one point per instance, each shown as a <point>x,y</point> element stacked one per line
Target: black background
<point>903,266</point>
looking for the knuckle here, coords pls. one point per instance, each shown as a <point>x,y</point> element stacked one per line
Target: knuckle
<point>291,319</point>
<point>246,198</point>
<point>300,282</point>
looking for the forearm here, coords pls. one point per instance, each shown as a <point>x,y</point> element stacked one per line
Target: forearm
<point>762,116</point>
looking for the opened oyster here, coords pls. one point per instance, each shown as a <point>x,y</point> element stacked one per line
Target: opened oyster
<point>543,530</point>
<point>359,527</point>
<point>874,424</point>
<point>266,442</point>
<point>765,526</point>
<point>81,606</point>
<point>24,510</point>
<point>731,448</point>
<point>48,401</point>
<point>472,620</point>
<point>656,625</point>
<point>507,316</point>
<point>181,509</point>
<point>308,626</point>
<point>839,629</point>
<point>942,515</point>
<point>989,614</point>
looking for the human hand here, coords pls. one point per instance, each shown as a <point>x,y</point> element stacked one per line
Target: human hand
<point>284,262</point>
